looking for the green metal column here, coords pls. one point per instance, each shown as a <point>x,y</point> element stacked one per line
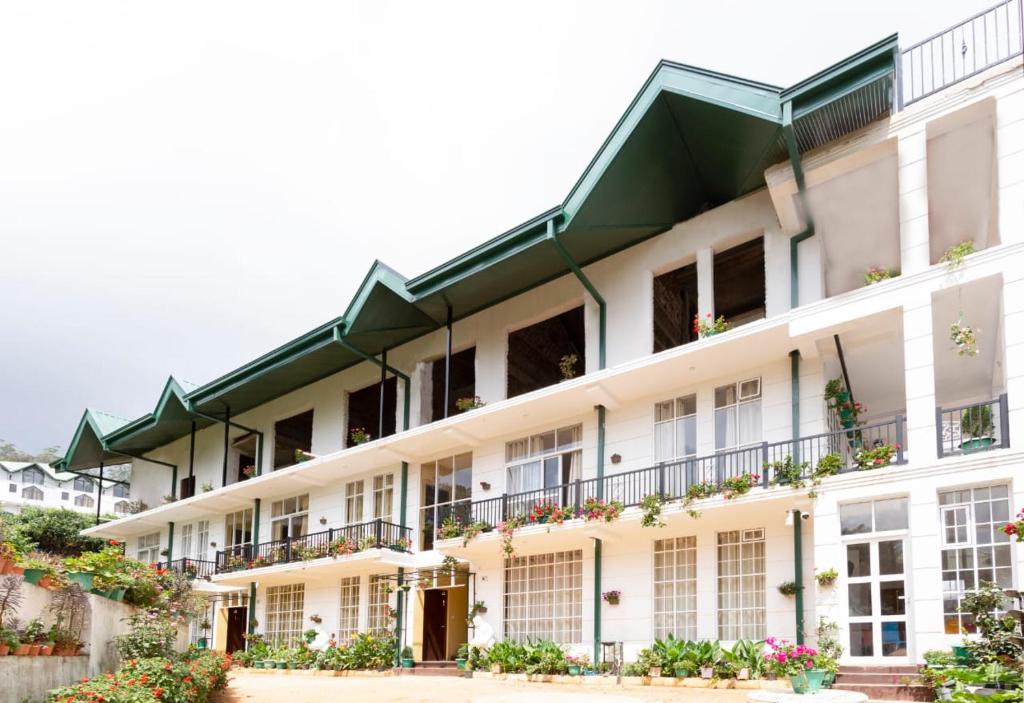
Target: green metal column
<point>600,451</point>
<point>798,176</point>
<point>601,307</point>
<point>798,573</point>
<point>252,609</point>
<point>400,609</point>
<point>597,600</point>
<point>794,383</point>
<point>170,542</point>
<point>174,481</point>
<point>255,525</point>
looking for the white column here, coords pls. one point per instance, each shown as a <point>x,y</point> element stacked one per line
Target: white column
<point>913,202</point>
<point>1013,354</point>
<point>706,281</point>
<point>919,376</point>
<point>1010,166</point>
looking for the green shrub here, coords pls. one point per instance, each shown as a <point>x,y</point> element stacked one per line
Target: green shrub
<point>150,636</point>
<point>193,678</point>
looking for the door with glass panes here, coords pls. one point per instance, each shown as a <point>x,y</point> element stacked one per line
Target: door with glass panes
<point>877,600</point>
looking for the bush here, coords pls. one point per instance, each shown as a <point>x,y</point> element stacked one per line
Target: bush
<point>190,679</point>
<point>150,636</point>
<point>54,530</point>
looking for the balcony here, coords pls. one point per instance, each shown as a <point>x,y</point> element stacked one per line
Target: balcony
<point>969,429</point>
<point>189,568</point>
<point>367,539</point>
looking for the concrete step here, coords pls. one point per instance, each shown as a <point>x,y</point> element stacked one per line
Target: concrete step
<point>899,669</point>
<point>435,668</point>
<point>880,677</point>
<point>888,692</point>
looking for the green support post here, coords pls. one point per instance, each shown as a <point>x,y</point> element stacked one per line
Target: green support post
<point>597,600</point>
<point>600,451</point>
<point>578,272</point>
<point>170,542</point>
<point>255,525</point>
<point>794,382</point>
<point>174,481</point>
<point>252,610</point>
<point>798,572</point>
<point>798,176</point>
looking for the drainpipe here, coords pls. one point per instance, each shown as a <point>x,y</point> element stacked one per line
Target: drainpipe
<point>794,383</point>
<point>228,422</point>
<point>798,175</point>
<point>339,338</point>
<point>170,543</point>
<point>192,457</point>
<point>227,448</point>
<point>597,599</point>
<point>798,572</point>
<point>601,308</point>
<point>99,496</point>
<point>448,361</point>
<point>252,610</point>
<point>383,380</point>
<point>255,526</point>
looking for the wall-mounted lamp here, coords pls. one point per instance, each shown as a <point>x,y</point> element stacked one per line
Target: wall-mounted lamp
<point>323,520</point>
<point>213,544</point>
<point>485,485</point>
<point>616,458</point>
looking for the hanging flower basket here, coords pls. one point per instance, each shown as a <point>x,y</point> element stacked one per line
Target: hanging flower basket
<point>964,338</point>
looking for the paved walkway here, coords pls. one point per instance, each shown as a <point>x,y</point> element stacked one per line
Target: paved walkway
<point>255,688</point>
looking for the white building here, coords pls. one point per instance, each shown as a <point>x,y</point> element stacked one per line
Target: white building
<point>33,484</point>
<point>713,196</point>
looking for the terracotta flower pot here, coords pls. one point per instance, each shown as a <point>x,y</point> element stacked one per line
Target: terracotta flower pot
<point>5,564</point>
<point>47,583</point>
<point>33,650</point>
<point>4,649</point>
<point>46,650</point>
<point>22,650</point>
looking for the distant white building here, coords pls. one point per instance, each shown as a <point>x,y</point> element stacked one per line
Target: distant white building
<point>27,483</point>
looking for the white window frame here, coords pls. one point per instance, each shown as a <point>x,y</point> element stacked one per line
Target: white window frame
<point>148,548</point>
<point>202,539</point>
<point>438,510</point>
<point>33,476</point>
<point>529,454</point>
<point>284,611</point>
<point>544,597</point>
<point>355,502</point>
<point>675,588</point>
<point>239,521</point>
<point>378,605</point>
<point>743,400</point>
<point>90,486</point>
<point>752,607</point>
<point>383,496</point>
<point>187,540</point>
<point>120,491</point>
<point>674,415</point>
<point>348,612</point>
<point>289,517</point>
<point>32,492</point>
<point>83,500</point>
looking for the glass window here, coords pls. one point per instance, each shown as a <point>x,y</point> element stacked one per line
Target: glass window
<point>975,549</point>
<point>543,465</point>
<point>544,597</point>
<point>31,493</point>
<point>120,491</point>
<point>64,495</point>
<point>873,516</point>
<point>383,496</point>
<point>380,616</point>
<point>84,501</point>
<point>348,620</point>
<point>354,502</point>
<point>202,539</point>
<point>83,484</point>
<point>741,585</point>
<point>121,507</point>
<point>284,614</point>
<point>238,528</point>
<point>149,548</point>
<point>738,414</point>
<point>447,486</point>
<point>675,588</point>
<point>675,428</point>
<point>289,517</point>
<point>33,476</point>
<point>292,435</point>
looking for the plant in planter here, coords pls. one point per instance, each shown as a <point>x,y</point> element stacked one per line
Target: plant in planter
<point>796,662</point>
<point>876,457</point>
<point>469,403</point>
<point>708,327</point>
<point>827,578</point>
<point>8,556</point>
<point>305,552</point>
<point>11,598</point>
<point>9,641</point>
<point>249,471</point>
<point>407,661</point>
<point>575,664</point>
<point>611,597</point>
<point>788,588</point>
<point>473,529</point>
<point>787,472</point>
<point>449,565</point>
<point>567,366</point>
<point>461,656</point>
<point>651,507</point>
<point>1015,528</point>
<point>340,546</point>
<point>849,413</point>
<point>976,428</point>
<point>546,511</point>
<point>35,635</point>
<point>876,274</point>
<point>302,455</point>
<point>451,527</point>
<point>829,645</point>
<point>207,487</point>
<point>400,544</point>
<point>828,465</point>
<point>835,392</point>
<point>599,509</point>
<point>359,435</point>
<point>69,609</point>
<point>697,491</point>
<point>169,498</point>
<point>479,608</point>
<point>739,485</point>
<point>507,529</point>
<point>964,338</point>
<point>954,257</point>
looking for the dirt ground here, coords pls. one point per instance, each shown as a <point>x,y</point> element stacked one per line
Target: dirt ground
<point>255,688</point>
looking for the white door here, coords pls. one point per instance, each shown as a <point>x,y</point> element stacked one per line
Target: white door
<point>877,601</point>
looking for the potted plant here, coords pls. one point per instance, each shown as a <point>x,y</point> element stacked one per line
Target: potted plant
<point>567,366</point>
<point>795,662</point>
<point>788,588</point>
<point>708,327</point>
<point>827,578</point>
<point>739,485</point>
<point>407,661</point>
<point>469,403</point>
<point>876,457</point>
<point>651,507</point>
<point>479,608</point>
<point>461,656</point>
<point>953,257</point>
<point>976,425</point>
<point>35,636</point>
<point>11,598</point>
<point>248,471</point>
<point>876,274</point>
<point>611,597</point>
<point>358,435</point>
<point>401,544</point>
<point>576,664</point>
<point>8,641</point>
<point>8,556</point>
<point>964,338</point>
<point>302,455</point>
<point>830,645</point>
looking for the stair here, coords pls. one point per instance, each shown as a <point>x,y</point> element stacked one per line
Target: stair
<point>434,668</point>
<point>884,683</point>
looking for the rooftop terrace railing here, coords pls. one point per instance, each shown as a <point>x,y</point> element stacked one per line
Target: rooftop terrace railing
<point>964,50</point>
<point>337,541</point>
<point>853,449</point>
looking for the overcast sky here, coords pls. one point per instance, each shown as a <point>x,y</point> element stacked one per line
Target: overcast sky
<point>184,186</point>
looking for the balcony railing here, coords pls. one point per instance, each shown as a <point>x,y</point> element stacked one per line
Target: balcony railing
<point>853,449</point>
<point>964,50</point>
<point>973,428</point>
<point>375,534</point>
<point>190,568</point>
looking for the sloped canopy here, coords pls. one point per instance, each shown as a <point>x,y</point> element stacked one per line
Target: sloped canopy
<point>691,140</point>
<point>87,449</point>
<point>170,419</point>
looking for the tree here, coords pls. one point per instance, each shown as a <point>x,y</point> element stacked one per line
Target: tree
<point>9,452</point>
<point>56,530</point>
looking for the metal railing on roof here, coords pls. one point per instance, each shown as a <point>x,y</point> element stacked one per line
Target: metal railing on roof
<point>964,50</point>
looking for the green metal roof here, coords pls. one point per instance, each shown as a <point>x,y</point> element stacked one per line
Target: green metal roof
<point>87,448</point>
<point>689,141</point>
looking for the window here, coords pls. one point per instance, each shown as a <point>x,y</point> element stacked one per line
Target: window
<point>291,435</point>
<point>738,414</point>
<point>202,539</point>
<point>447,486</point>
<point>284,614</point>
<point>120,491</point>
<point>675,306</point>
<point>354,502</point>
<point>245,450</point>
<point>84,501</point>
<point>34,476</point>
<point>64,495</point>
<point>675,428</point>
<point>13,488</point>
<point>741,585</point>
<point>149,548</point>
<point>873,516</point>
<point>544,460</point>
<point>739,280</point>
<point>378,619</point>
<point>238,528</point>
<point>121,507</point>
<point>187,541</point>
<point>463,382</point>
<point>544,597</point>
<point>675,588</point>
<point>348,620</point>
<point>364,410</point>
<point>974,547</point>
<point>536,353</point>
<point>31,493</point>
<point>383,496</point>
<point>289,517</point>
<point>83,484</point>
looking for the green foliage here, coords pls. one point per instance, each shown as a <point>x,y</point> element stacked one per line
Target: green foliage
<point>9,452</point>
<point>55,530</point>
<point>363,652</point>
<point>150,636</point>
<point>996,643</point>
<point>651,507</point>
<point>977,421</point>
<point>787,472</point>
<point>828,465</point>
<point>953,257</point>
<point>749,655</point>
<point>11,599</point>
<point>193,678</point>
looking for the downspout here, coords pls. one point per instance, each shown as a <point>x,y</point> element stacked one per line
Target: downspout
<point>192,458</point>
<point>255,527</point>
<point>228,422</point>
<point>794,384</point>
<point>447,361</point>
<point>339,338</point>
<point>601,307</point>
<point>227,447</point>
<point>798,175</point>
<point>99,496</point>
<point>170,543</point>
<point>798,572</point>
<point>380,402</point>
<point>252,610</point>
<point>597,599</point>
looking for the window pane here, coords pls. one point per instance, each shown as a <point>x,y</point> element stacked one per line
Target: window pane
<point>725,395</point>
<point>855,518</point>
<point>894,639</point>
<point>687,405</point>
<point>890,557</point>
<point>861,640</point>
<point>892,598</point>
<point>686,440</point>
<point>858,561</point>
<point>860,599</point>
<point>891,514</point>
<point>663,411</point>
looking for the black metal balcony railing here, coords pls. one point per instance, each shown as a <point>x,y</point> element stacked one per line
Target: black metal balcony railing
<point>190,568</point>
<point>973,428</point>
<point>852,449</point>
<point>964,50</point>
<point>375,534</point>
